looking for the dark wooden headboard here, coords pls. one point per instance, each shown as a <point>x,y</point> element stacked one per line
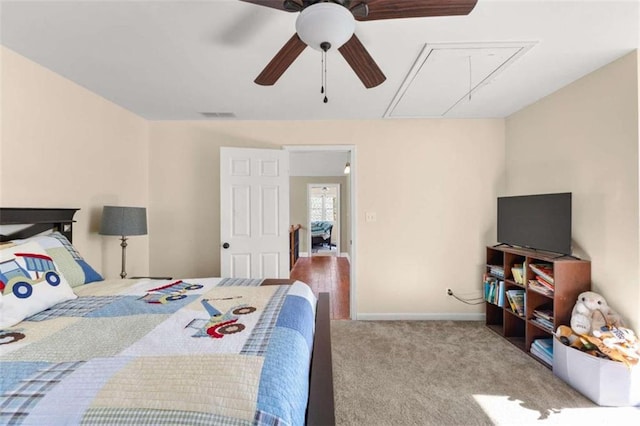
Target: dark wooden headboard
<point>39,219</point>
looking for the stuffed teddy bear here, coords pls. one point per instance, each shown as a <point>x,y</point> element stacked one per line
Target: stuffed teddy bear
<point>591,312</point>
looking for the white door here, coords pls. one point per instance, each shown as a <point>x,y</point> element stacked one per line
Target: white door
<point>254,215</point>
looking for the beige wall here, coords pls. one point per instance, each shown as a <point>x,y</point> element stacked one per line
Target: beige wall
<point>584,139</point>
<point>299,207</point>
<point>432,184</point>
<point>63,146</point>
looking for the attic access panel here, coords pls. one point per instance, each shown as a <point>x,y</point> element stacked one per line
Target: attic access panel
<point>444,75</point>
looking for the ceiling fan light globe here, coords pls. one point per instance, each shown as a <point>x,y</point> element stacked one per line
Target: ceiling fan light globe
<point>325,22</point>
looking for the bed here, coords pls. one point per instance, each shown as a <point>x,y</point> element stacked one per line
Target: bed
<point>180,351</point>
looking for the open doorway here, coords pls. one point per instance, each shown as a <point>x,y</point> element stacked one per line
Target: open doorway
<point>330,268</point>
<point>324,219</point>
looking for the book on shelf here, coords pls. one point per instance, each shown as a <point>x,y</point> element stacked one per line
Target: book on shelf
<point>518,273</point>
<point>510,301</point>
<point>546,324</point>
<point>546,344</point>
<point>489,288</point>
<point>536,286</point>
<point>542,357</point>
<point>496,270</point>
<point>515,296</point>
<point>494,291</point>
<point>543,313</point>
<point>543,349</point>
<point>545,283</point>
<point>545,270</point>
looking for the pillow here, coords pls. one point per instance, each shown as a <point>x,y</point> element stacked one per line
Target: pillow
<point>74,268</point>
<point>29,282</point>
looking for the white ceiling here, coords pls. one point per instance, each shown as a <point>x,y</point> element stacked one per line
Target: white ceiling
<point>173,60</point>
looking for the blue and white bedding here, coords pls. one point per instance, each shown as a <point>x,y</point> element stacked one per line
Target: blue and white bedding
<point>198,351</point>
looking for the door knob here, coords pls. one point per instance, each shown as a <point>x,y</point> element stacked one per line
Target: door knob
<point>225,246</point>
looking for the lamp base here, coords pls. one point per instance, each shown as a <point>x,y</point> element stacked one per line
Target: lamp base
<point>123,244</point>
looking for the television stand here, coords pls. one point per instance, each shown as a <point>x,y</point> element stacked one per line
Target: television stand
<point>570,277</point>
<point>551,255</point>
<point>570,256</point>
<point>554,256</point>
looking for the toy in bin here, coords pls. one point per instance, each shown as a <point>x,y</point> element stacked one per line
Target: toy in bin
<point>597,329</point>
<point>597,355</point>
<point>592,312</point>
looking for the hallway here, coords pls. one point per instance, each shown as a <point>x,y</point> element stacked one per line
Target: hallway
<point>326,274</point>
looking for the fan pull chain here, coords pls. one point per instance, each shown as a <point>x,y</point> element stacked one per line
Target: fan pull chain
<point>325,88</point>
<point>325,45</point>
<point>322,73</point>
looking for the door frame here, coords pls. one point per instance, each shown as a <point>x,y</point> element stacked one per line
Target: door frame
<point>352,250</point>
<point>338,206</point>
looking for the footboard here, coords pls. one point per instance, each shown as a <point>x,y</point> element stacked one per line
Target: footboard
<point>320,410</point>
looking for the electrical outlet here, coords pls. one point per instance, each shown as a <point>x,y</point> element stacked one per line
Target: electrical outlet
<point>449,292</point>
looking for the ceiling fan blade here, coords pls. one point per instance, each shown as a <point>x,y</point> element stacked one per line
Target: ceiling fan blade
<point>287,6</point>
<point>283,59</point>
<point>393,9</point>
<point>362,63</point>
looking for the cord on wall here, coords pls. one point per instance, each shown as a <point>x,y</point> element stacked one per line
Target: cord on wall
<point>468,301</point>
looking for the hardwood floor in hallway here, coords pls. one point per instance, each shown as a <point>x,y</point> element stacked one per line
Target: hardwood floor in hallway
<point>326,274</point>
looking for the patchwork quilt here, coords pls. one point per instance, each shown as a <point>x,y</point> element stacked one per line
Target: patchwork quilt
<point>198,351</point>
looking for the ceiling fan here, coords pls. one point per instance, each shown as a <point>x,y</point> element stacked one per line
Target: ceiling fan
<point>326,24</point>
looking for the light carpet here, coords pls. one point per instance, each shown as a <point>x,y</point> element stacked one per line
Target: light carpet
<point>449,373</point>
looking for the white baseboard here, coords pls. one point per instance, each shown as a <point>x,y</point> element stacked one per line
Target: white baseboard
<point>343,254</point>
<point>421,317</point>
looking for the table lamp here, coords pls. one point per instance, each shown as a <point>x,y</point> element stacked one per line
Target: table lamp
<point>124,222</point>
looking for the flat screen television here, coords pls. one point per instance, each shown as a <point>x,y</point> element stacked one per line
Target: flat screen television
<point>541,222</point>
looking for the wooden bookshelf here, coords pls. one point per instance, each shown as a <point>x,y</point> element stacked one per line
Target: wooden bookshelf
<point>571,277</point>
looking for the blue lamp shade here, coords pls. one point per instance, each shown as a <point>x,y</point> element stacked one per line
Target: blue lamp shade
<point>123,221</point>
